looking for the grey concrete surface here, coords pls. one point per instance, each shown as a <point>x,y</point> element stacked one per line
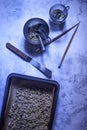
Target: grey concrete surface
<point>71,113</point>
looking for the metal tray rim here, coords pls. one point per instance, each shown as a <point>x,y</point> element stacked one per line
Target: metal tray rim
<point>26,77</point>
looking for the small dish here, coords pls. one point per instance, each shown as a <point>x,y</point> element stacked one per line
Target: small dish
<point>58,13</point>
<point>34,27</point>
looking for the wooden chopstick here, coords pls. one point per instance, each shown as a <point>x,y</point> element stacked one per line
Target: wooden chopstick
<point>60,35</point>
<point>68,46</point>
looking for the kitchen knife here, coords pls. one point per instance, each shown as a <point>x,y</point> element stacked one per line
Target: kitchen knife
<point>41,68</point>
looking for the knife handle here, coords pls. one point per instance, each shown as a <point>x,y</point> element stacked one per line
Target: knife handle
<point>18,52</point>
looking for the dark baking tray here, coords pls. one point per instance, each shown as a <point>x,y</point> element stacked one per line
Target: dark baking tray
<point>30,82</point>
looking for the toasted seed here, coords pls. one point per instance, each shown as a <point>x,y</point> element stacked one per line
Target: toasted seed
<point>30,109</point>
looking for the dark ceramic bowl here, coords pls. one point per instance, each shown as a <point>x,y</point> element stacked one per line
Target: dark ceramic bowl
<point>34,27</point>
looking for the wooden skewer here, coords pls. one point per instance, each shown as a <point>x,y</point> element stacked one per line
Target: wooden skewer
<point>60,35</point>
<point>57,37</point>
<point>68,46</point>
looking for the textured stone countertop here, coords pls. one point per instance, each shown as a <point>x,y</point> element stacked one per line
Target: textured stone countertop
<point>71,113</point>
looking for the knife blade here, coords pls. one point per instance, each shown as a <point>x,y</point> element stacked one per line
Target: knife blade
<point>40,67</point>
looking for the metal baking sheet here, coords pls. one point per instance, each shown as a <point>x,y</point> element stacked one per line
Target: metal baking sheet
<point>29,103</point>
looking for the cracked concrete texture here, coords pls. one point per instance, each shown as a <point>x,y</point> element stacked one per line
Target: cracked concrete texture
<point>71,113</point>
